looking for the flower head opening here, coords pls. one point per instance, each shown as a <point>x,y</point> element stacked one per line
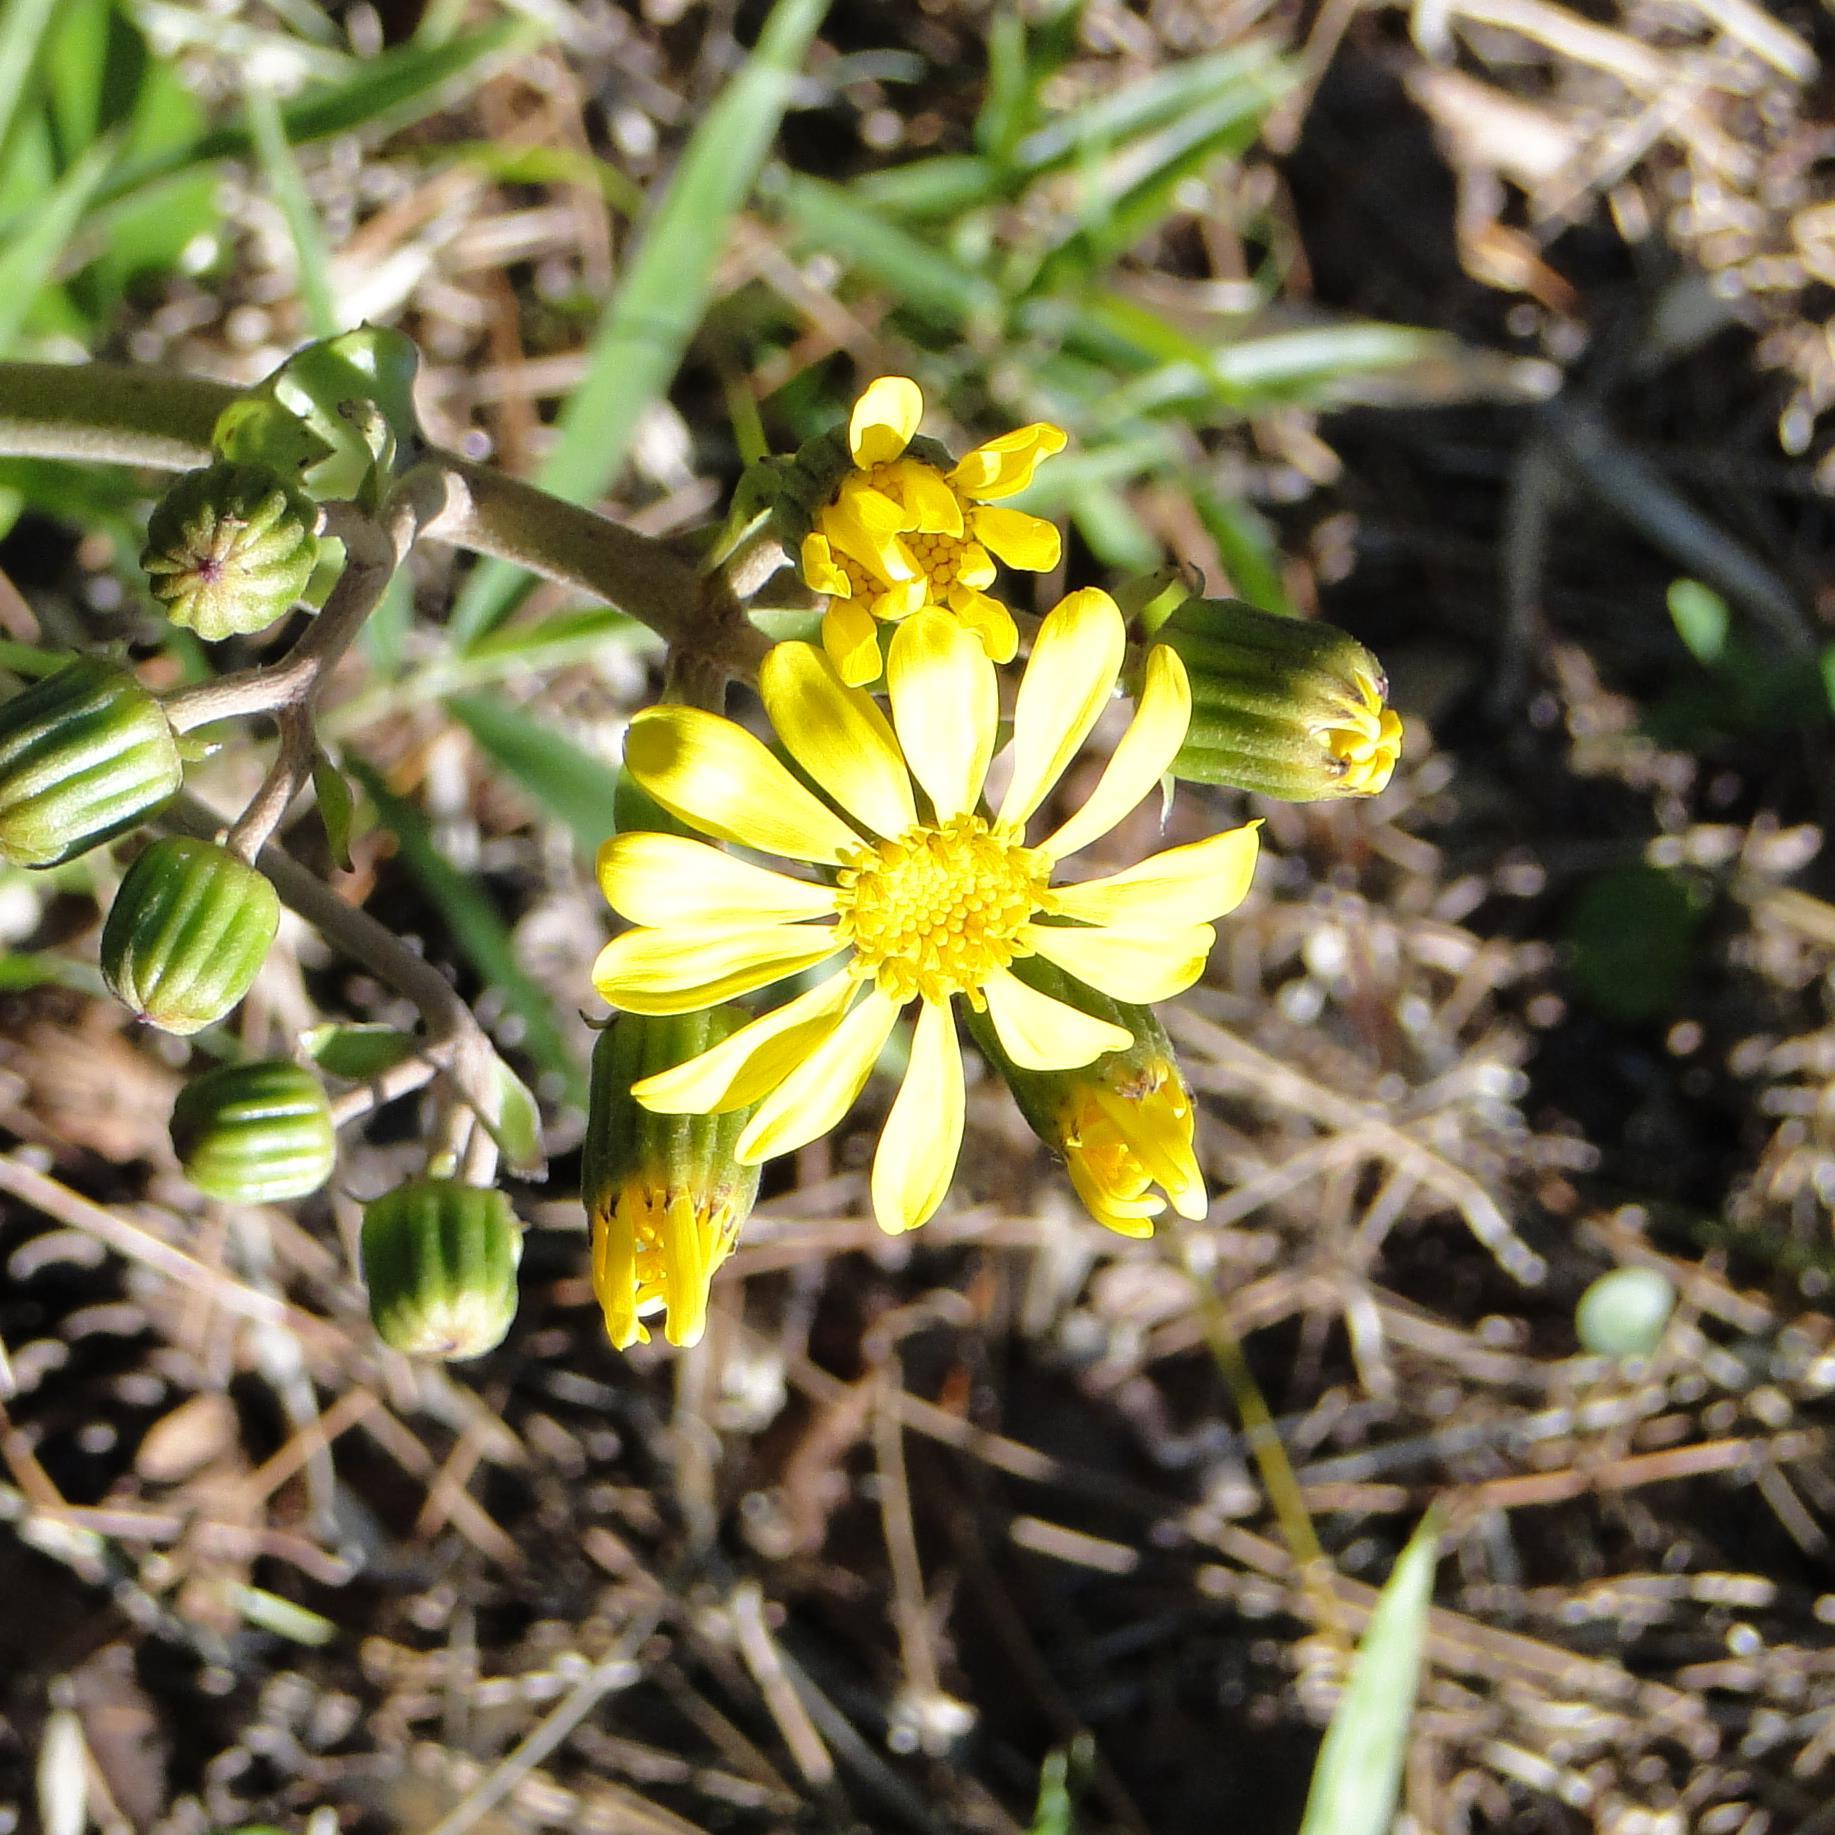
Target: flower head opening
<point>1366,740</point>
<point>931,894</point>
<point>655,1251</point>
<point>1126,1127</point>
<point>907,528</point>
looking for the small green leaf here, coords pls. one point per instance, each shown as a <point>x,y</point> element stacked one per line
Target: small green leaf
<point>1359,1774</point>
<point>517,1125</point>
<point>1701,620</point>
<point>1632,936</point>
<point>358,1052</point>
<point>337,807</point>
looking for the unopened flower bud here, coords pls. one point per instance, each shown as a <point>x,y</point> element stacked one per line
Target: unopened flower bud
<point>440,1260</point>
<point>230,548</point>
<point>1290,707</point>
<point>1123,1124</point>
<point>255,1133</point>
<point>84,754</point>
<point>187,934</point>
<point>665,1194</point>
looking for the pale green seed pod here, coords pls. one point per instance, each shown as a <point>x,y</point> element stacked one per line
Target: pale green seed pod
<point>230,548</point>
<point>1624,1313</point>
<point>255,1133</point>
<point>84,754</point>
<point>665,1195</point>
<point>440,1260</point>
<point>1290,707</point>
<point>187,933</point>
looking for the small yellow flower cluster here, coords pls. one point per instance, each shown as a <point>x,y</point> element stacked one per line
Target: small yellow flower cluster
<point>919,884</point>
<point>902,534</point>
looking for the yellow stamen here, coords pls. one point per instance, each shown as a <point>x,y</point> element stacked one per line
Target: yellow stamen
<point>938,910</point>
<point>1367,741</point>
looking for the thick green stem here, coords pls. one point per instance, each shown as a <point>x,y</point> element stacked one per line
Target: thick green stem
<point>107,412</point>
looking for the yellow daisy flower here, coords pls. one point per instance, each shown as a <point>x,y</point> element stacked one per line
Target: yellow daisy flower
<point>901,533</point>
<point>928,895</point>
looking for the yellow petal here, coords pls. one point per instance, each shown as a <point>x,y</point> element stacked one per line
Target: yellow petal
<point>1139,761</point>
<point>935,508</point>
<point>1020,540</point>
<point>974,569</point>
<point>1182,885</point>
<point>690,1256</point>
<point>664,880</point>
<point>1040,1033</point>
<point>1067,684</point>
<point>1126,965</point>
<point>916,1157</point>
<point>884,419</point>
<point>682,970</point>
<point>821,1089</point>
<point>946,707</point>
<point>1158,1133</point>
<point>753,1061</point>
<point>821,574</point>
<point>614,1251</point>
<point>874,509</point>
<point>879,551</point>
<point>900,600</point>
<point>839,736</point>
<point>1131,1217</point>
<point>850,635</point>
<point>718,778</point>
<point>1003,466</point>
<point>989,620</point>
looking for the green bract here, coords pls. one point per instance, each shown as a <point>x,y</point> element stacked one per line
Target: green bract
<point>230,548</point>
<point>440,1260</point>
<point>188,932</point>
<point>84,754</point>
<point>255,1133</point>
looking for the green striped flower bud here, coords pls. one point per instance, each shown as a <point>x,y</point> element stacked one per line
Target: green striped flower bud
<point>665,1194</point>
<point>230,548</point>
<point>84,754</point>
<point>187,933</point>
<point>255,1133</point>
<point>440,1260</point>
<point>1289,707</point>
<point>1123,1124</point>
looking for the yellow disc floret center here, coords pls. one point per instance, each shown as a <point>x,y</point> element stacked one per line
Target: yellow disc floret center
<point>938,910</point>
<point>942,559</point>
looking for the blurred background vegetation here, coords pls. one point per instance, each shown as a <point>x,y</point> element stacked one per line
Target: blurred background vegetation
<point>1496,331</point>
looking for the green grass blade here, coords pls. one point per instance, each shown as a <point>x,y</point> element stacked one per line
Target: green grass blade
<point>386,92</point>
<point>22,30</point>
<point>1359,1774</point>
<point>914,271</point>
<point>480,933</point>
<point>31,253</point>
<point>310,250</point>
<point>640,340</point>
<point>572,784</point>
